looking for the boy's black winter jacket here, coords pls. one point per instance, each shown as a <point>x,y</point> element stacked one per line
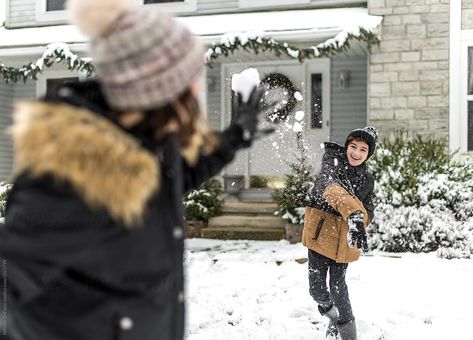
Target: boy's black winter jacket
<point>93,237</point>
<point>335,168</point>
<point>339,191</point>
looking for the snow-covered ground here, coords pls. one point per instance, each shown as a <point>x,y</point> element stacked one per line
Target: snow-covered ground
<point>258,290</point>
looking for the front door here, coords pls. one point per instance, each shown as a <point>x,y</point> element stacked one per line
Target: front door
<point>306,86</point>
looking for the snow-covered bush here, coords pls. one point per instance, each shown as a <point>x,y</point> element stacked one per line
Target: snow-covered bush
<point>420,229</point>
<point>205,202</point>
<point>425,198</point>
<point>4,189</point>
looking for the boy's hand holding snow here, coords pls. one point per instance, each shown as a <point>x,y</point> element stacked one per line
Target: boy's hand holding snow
<point>357,232</point>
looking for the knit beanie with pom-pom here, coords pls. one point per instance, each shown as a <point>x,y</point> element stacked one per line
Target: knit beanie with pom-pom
<point>144,59</point>
<point>369,134</point>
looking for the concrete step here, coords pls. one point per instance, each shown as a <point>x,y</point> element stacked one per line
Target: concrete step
<point>249,208</point>
<point>260,194</point>
<point>246,221</point>
<point>244,233</point>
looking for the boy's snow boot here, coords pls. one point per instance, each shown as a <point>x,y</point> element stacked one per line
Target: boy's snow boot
<point>347,330</point>
<point>332,315</point>
<point>332,331</point>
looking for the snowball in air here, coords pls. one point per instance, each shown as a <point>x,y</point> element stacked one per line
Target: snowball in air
<point>298,96</point>
<point>299,115</point>
<point>297,127</point>
<point>245,81</point>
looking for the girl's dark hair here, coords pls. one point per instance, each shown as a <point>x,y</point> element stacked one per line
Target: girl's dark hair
<point>155,120</point>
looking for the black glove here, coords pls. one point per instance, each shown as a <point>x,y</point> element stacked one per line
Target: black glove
<point>357,232</point>
<point>246,115</point>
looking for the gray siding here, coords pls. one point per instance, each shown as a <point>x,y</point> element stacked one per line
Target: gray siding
<point>348,105</point>
<point>6,95</point>
<point>214,109</point>
<point>21,13</point>
<point>233,5</point>
<point>25,91</point>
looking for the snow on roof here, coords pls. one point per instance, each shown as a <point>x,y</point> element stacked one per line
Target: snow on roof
<point>311,24</point>
<point>295,21</point>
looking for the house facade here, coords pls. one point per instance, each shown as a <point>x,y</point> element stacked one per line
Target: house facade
<point>416,78</point>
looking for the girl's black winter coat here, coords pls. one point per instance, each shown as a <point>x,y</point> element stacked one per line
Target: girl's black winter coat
<point>92,244</point>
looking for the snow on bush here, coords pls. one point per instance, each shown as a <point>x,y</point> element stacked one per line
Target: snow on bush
<point>425,199</point>
<point>204,202</point>
<point>294,197</point>
<point>421,229</point>
<point>4,189</point>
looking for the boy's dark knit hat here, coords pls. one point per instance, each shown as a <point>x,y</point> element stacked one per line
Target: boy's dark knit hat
<point>368,134</point>
<point>144,59</point>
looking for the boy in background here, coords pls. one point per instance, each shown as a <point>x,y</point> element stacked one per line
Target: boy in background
<point>334,226</point>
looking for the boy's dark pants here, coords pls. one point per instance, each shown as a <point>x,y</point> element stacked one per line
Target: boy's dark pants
<point>319,265</point>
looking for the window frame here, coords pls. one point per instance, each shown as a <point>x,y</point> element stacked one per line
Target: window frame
<point>322,67</point>
<point>42,15</point>
<point>41,83</point>
<point>460,40</point>
<point>465,97</point>
<point>185,6</point>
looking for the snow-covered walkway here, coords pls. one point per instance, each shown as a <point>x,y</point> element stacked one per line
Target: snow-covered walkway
<point>258,290</point>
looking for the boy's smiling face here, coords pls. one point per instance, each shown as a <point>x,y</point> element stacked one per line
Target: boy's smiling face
<point>357,152</point>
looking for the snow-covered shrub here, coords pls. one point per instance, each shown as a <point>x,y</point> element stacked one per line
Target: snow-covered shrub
<point>420,229</point>
<point>425,199</point>
<point>205,202</point>
<point>398,164</point>
<point>294,197</point>
<point>452,189</point>
<point>4,190</point>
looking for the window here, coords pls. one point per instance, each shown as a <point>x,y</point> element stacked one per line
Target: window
<point>270,3</point>
<point>316,118</point>
<point>469,97</point>
<point>55,5</point>
<point>470,126</point>
<point>52,78</point>
<point>174,6</point>
<point>53,83</point>
<point>468,120</point>
<point>317,97</point>
<point>51,11</point>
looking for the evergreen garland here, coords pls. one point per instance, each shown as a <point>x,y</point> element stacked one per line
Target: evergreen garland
<point>55,53</point>
<point>256,44</point>
<point>60,53</point>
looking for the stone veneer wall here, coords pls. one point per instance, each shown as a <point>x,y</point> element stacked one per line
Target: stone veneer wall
<point>409,70</point>
<point>467,14</point>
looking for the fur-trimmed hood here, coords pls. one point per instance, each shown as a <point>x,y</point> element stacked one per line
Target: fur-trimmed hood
<point>107,167</point>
